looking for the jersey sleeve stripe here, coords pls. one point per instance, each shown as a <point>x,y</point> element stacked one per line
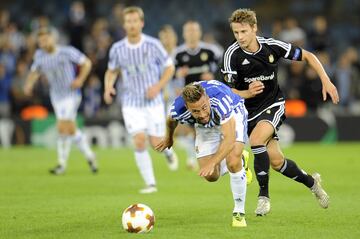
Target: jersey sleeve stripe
<point>227,57</point>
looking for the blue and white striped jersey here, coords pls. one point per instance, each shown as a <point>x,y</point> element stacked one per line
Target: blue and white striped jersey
<point>59,68</point>
<point>141,66</point>
<point>223,103</point>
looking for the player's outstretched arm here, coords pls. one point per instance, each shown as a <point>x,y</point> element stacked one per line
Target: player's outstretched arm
<point>168,140</point>
<point>327,86</point>
<point>84,70</point>
<point>109,90</point>
<point>30,82</point>
<point>227,144</point>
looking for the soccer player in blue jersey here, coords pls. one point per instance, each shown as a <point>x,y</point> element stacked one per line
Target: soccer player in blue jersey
<point>220,121</point>
<point>145,69</point>
<point>57,63</point>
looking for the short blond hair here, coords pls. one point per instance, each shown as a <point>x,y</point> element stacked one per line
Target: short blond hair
<point>134,9</point>
<point>192,93</point>
<point>243,15</point>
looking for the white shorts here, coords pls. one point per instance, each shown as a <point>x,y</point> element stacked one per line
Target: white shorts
<point>66,108</point>
<point>208,140</point>
<point>150,120</point>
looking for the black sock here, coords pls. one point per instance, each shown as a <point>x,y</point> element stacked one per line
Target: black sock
<point>261,167</point>
<point>291,170</point>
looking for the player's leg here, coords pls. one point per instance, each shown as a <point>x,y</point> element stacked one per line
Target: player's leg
<point>78,136</point>
<point>144,163</point>
<point>186,137</point>
<point>236,164</point>
<point>155,126</point>
<point>64,134</point>
<point>238,184</point>
<point>290,169</point>
<point>135,123</point>
<point>285,166</point>
<point>63,147</point>
<point>258,140</point>
<point>83,145</point>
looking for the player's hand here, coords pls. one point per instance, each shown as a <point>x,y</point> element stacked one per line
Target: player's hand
<point>329,88</point>
<point>207,169</point>
<point>108,95</point>
<point>76,84</point>
<point>28,89</point>
<point>165,143</point>
<point>153,91</point>
<point>182,72</point>
<point>207,76</point>
<point>255,88</point>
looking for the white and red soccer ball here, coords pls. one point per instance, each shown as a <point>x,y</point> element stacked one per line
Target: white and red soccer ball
<point>138,218</point>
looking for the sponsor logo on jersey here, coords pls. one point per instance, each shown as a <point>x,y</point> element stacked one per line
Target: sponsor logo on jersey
<point>260,78</point>
<point>271,58</point>
<point>185,58</point>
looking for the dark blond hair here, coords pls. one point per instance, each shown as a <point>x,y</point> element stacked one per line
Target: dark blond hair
<point>134,9</point>
<point>192,93</point>
<point>243,15</point>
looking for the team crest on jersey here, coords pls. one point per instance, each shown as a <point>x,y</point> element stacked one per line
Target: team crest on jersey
<point>185,58</point>
<point>204,56</point>
<point>271,58</point>
<point>268,112</point>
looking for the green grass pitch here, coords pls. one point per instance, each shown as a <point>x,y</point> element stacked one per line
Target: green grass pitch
<point>34,204</point>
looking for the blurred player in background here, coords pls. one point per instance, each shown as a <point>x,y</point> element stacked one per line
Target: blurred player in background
<point>250,67</point>
<point>145,69</point>
<point>194,61</point>
<point>58,63</point>
<point>168,39</point>
<point>220,120</point>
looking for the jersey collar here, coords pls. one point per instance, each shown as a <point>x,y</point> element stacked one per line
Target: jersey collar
<point>253,53</point>
<point>134,46</point>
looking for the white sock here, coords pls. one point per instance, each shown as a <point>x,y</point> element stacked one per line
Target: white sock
<point>238,188</point>
<point>63,148</point>
<point>168,152</point>
<point>81,142</point>
<point>144,164</point>
<point>223,167</point>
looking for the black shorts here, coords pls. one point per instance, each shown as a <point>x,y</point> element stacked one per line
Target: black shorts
<point>275,116</point>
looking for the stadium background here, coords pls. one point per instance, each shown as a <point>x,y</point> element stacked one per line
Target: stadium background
<point>33,205</point>
<point>329,28</point>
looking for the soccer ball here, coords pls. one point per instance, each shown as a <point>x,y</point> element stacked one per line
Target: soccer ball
<point>138,218</point>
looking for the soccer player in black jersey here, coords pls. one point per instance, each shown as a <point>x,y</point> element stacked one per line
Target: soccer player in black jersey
<point>195,60</point>
<point>250,68</point>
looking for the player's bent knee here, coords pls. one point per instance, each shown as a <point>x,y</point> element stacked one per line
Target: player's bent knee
<point>276,163</point>
<point>234,165</point>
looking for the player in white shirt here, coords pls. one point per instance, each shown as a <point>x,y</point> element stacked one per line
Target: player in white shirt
<point>57,63</point>
<point>145,69</point>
